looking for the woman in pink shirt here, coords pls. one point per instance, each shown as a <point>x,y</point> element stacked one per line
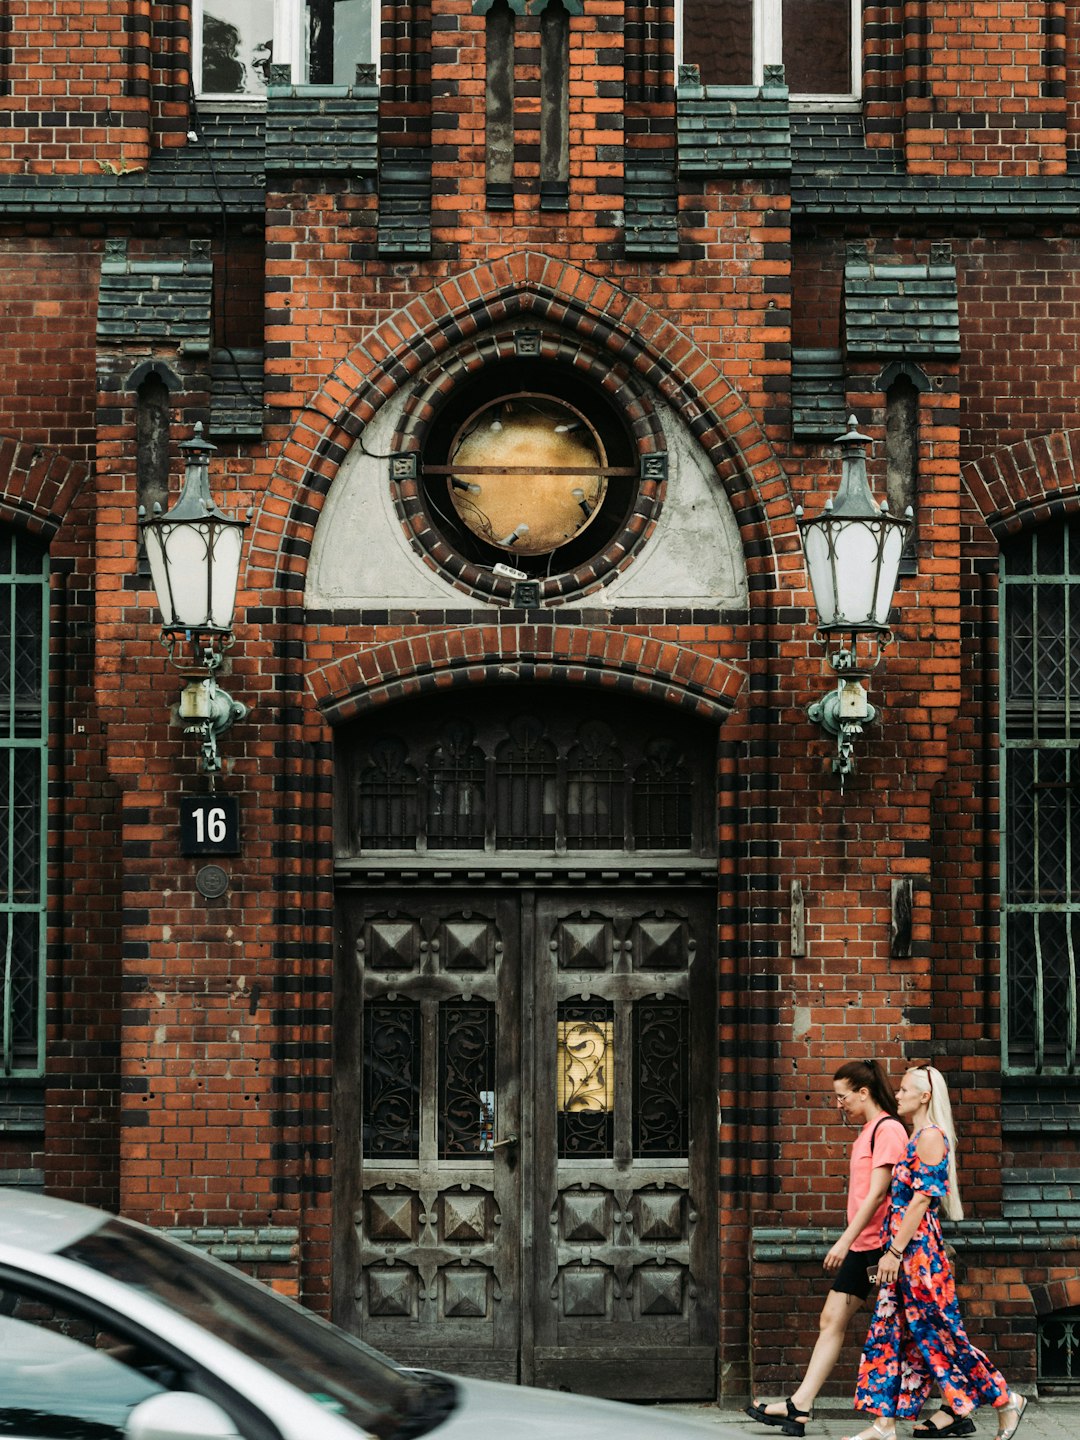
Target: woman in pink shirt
<point>865,1098</point>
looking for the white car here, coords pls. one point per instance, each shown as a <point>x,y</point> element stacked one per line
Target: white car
<point>111,1331</point>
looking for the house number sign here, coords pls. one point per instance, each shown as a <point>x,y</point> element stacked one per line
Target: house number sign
<point>209,825</point>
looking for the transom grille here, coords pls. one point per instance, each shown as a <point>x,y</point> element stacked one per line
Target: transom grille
<point>532,776</point>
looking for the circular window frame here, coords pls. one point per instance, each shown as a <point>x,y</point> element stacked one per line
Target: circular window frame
<point>559,366</point>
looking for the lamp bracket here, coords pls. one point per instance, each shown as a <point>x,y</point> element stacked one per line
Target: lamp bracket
<point>855,658</point>
<point>212,712</point>
<point>207,651</point>
<point>842,713</point>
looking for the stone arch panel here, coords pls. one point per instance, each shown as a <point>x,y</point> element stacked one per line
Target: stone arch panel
<point>527,284</point>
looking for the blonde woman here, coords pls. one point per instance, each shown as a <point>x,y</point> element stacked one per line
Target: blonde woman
<point>917,1335</point>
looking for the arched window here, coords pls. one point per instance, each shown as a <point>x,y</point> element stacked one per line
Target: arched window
<point>24,647</point>
<point>1040,738</point>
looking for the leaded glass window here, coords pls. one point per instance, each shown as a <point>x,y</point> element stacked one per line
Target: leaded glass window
<point>24,571</point>
<point>1040,732</point>
<point>585,1078</point>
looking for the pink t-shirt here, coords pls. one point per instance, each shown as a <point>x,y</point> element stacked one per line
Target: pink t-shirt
<point>890,1141</point>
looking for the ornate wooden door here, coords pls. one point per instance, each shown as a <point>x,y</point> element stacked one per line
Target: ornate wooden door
<point>624,1173</point>
<point>430,1030</point>
<point>542,1209</point>
<point>525,1031</point>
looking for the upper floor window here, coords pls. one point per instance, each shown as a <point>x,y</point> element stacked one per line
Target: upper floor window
<point>322,41</point>
<point>1040,763</point>
<point>818,42</point>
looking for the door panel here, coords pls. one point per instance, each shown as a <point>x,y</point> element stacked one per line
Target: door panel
<point>625,1172</point>
<point>534,1192</point>
<point>437,1245</point>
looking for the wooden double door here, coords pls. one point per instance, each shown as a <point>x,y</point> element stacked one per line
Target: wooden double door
<point>525,1159</point>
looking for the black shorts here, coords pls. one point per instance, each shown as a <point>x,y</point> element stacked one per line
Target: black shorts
<point>853,1277</point>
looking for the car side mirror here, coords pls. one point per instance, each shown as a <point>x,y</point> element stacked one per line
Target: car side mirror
<point>178,1415</point>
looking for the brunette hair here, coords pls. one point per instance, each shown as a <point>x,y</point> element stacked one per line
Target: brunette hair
<point>868,1075</point>
<point>939,1113</point>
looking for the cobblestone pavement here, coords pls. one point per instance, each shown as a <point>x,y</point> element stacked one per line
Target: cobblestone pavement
<point>1043,1420</point>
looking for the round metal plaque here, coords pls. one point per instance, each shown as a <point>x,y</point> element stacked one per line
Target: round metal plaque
<point>528,473</point>
<point>211,881</point>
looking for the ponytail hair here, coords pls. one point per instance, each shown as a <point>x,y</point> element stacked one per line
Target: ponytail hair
<point>939,1113</point>
<point>869,1075</point>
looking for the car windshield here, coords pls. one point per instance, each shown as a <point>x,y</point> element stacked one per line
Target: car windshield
<point>331,1367</point>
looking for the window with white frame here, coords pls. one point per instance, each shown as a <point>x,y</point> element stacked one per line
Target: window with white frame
<point>818,42</point>
<point>1040,790</point>
<point>323,41</point>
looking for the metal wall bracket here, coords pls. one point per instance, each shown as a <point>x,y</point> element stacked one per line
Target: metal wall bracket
<point>213,711</point>
<point>842,713</point>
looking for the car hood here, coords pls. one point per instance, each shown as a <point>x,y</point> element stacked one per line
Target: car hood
<point>518,1413</point>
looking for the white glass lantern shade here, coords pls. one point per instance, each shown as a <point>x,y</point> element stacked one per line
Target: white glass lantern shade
<point>194,553</point>
<point>853,549</point>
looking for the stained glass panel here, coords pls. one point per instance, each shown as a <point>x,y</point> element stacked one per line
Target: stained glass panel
<point>585,1078</point>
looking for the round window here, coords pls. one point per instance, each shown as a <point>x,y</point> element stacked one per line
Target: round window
<point>527,465</point>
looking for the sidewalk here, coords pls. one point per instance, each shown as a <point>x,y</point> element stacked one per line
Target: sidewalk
<point>1043,1420</point>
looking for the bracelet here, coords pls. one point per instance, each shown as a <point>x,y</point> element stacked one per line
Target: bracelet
<point>898,1253</point>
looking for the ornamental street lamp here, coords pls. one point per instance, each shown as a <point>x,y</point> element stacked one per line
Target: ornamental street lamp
<point>853,551</point>
<point>194,554</point>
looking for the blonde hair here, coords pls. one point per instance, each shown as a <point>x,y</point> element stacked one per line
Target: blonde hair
<point>939,1113</point>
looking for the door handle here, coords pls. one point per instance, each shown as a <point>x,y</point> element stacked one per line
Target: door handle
<point>510,1140</point>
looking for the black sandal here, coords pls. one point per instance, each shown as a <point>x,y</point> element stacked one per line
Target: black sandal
<point>958,1425</point>
<point>793,1423</point>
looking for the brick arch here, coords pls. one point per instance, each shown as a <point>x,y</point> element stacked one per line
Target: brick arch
<point>611,659</point>
<point>1063,1294</point>
<point>37,486</point>
<point>1027,483</point>
<point>525,284</point>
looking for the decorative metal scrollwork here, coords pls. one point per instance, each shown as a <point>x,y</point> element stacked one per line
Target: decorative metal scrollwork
<point>663,799</point>
<point>595,790</point>
<point>586,1078</point>
<point>466,1078</point>
<point>536,781</point>
<point>525,794</point>
<point>457,798</point>
<point>391,1107</point>
<point>386,799</point>
<point>661,1124</point>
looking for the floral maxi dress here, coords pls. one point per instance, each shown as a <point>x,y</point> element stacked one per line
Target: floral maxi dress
<point>917,1335</point>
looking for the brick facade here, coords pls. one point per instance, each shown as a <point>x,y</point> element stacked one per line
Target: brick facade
<point>352,249</point>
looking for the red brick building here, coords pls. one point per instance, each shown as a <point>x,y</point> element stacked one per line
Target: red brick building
<point>505,1032</point>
